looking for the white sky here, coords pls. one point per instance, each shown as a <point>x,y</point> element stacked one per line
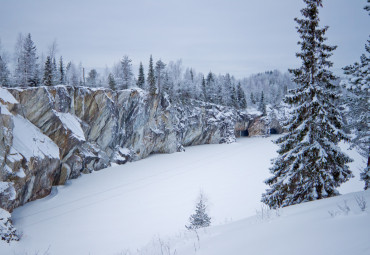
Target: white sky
<point>236,36</point>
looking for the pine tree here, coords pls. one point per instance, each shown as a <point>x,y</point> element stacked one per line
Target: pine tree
<point>234,98</point>
<point>151,78</point>
<point>92,78</point>
<point>253,100</point>
<point>242,102</point>
<point>310,165</point>
<point>48,72</point>
<point>159,67</point>
<point>4,73</point>
<point>359,87</point>
<point>262,105</point>
<point>210,84</point>
<point>26,70</point>
<point>200,218</point>
<point>111,82</point>
<point>62,79</point>
<point>55,72</point>
<point>141,77</point>
<point>168,85</point>
<point>127,74</point>
<point>204,89</point>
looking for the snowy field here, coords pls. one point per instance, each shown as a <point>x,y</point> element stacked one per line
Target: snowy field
<point>125,207</point>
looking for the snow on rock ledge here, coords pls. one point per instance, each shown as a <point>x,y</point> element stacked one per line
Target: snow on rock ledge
<point>30,142</point>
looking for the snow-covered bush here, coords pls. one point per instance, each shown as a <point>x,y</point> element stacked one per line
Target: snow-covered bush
<point>361,202</point>
<point>8,232</point>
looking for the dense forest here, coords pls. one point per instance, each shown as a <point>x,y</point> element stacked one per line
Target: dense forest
<point>27,68</point>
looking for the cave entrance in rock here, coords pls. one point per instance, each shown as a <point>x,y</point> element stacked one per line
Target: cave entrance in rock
<point>244,133</point>
<point>273,131</point>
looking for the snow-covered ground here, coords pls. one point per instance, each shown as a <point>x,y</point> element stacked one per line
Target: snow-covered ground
<point>125,207</point>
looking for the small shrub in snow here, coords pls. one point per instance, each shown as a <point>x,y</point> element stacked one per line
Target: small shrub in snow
<point>344,208</point>
<point>200,218</point>
<point>361,202</point>
<point>8,232</point>
<point>266,213</point>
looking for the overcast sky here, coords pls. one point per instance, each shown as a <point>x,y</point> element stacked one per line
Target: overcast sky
<point>240,37</point>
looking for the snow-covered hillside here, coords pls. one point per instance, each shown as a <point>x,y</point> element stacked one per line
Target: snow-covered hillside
<point>329,226</point>
<point>125,207</point>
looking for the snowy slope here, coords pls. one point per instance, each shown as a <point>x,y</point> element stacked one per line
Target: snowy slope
<point>72,123</point>
<point>319,227</point>
<point>30,141</point>
<point>124,207</point>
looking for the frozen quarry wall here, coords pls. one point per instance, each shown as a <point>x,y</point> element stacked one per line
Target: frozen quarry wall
<point>51,134</point>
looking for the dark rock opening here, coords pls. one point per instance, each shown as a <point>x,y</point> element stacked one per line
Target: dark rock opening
<point>244,133</point>
<point>273,131</point>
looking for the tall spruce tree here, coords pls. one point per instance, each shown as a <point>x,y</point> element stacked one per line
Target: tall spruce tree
<point>262,105</point>
<point>4,73</point>
<point>359,87</point>
<point>204,89</point>
<point>253,100</point>
<point>310,165</point>
<point>159,67</point>
<point>111,82</point>
<point>151,78</point>
<point>242,102</point>
<point>55,71</point>
<point>127,74</point>
<point>141,77</point>
<point>26,70</point>
<point>62,76</point>
<point>48,72</point>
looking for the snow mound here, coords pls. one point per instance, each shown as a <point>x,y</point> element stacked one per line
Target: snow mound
<point>30,142</point>
<point>72,123</point>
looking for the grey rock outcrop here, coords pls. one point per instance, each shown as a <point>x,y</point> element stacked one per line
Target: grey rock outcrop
<point>51,134</point>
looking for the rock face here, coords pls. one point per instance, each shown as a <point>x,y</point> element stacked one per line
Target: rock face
<point>51,134</point>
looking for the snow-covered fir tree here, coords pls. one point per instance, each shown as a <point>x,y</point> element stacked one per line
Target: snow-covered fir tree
<point>358,86</point>
<point>56,75</point>
<point>262,105</point>
<point>111,82</point>
<point>204,89</point>
<point>127,74</point>
<point>4,73</point>
<point>141,77</point>
<point>310,164</point>
<point>159,74</point>
<point>252,98</point>
<point>92,79</point>
<point>72,74</point>
<point>48,72</point>
<point>61,71</point>
<point>200,218</point>
<point>242,101</point>
<point>151,77</point>
<point>26,67</point>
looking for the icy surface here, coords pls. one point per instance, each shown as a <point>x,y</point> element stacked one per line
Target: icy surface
<point>125,207</point>
<point>72,123</point>
<point>30,142</point>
